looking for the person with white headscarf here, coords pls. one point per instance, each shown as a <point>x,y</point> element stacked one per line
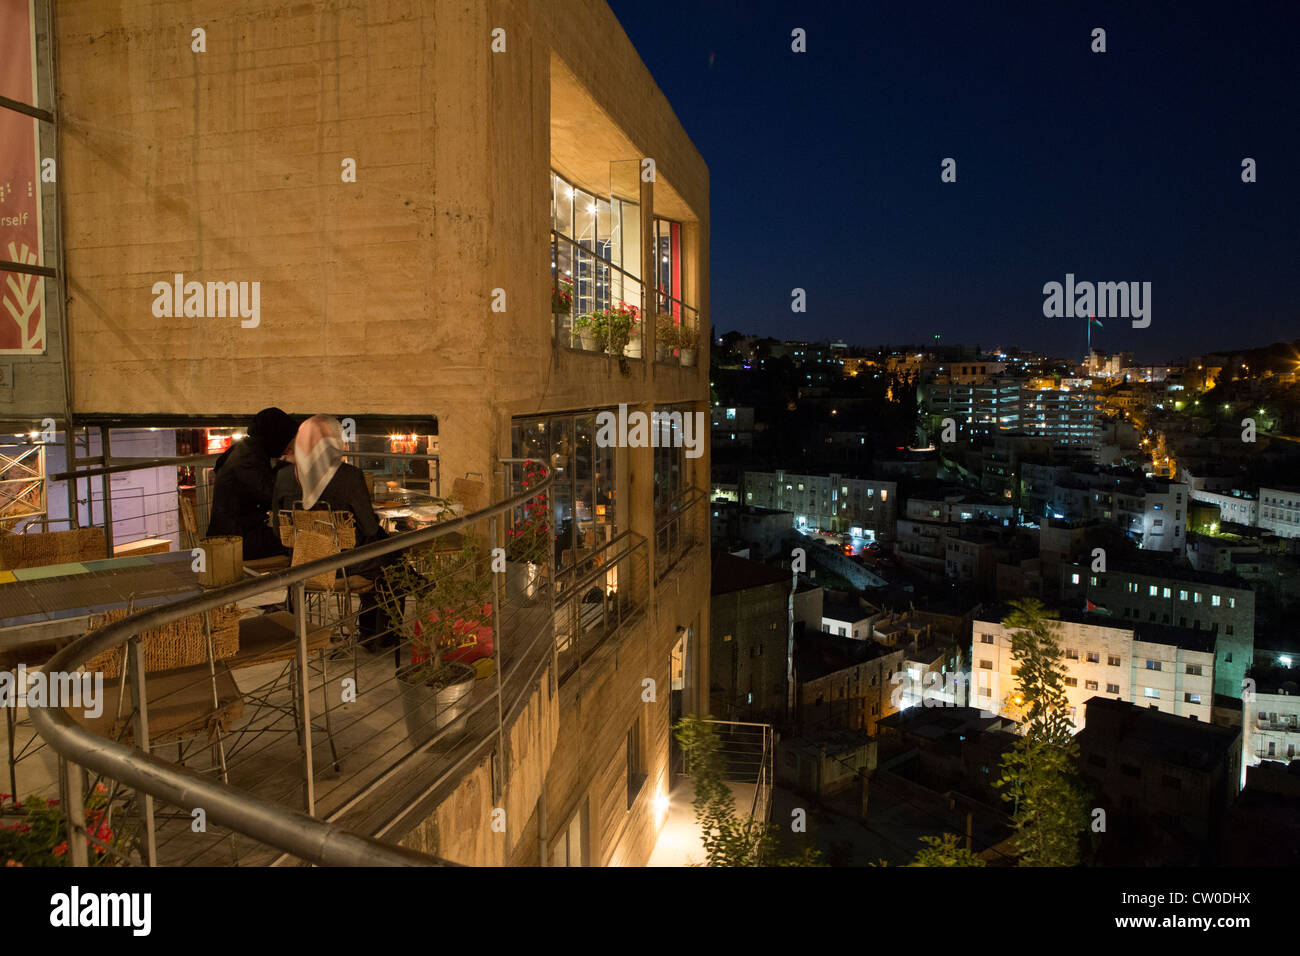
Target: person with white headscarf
<point>322,479</point>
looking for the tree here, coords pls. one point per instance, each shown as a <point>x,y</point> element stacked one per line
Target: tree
<point>730,839</point>
<point>945,851</point>
<point>1040,773</point>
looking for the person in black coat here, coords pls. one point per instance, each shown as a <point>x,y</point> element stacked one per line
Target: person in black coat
<point>243,482</point>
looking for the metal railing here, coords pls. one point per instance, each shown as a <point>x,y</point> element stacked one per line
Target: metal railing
<point>610,285</point>
<point>392,757</point>
<point>681,526</point>
<point>606,591</point>
<point>162,513</point>
<point>747,751</point>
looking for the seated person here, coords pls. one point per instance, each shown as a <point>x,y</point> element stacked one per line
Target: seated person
<point>243,482</point>
<point>323,479</point>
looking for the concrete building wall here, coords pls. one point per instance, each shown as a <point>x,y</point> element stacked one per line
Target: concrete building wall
<point>1208,605</point>
<point>420,289</point>
<point>1099,660</point>
<point>749,631</point>
<point>854,698</point>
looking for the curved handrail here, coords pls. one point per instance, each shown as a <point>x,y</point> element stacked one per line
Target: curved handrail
<point>292,831</point>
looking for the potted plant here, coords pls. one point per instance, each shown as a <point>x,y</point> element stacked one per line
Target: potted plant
<point>562,297</point>
<point>528,543</point>
<point>688,343</point>
<point>593,331</point>
<point>562,306</point>
<point>665,337</point>
<point>40,838</point>
<point>438,603</point>
<point>624,336</point>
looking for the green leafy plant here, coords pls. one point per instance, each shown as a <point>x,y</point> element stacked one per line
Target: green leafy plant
<point>666,331</point>
<point>40,838</point>
<point>945,851</point>
<point>562,297</point>
<point>687,337</point>
<point>595,324</point>
<point>621,324</point>
<point>437,601</point>
<point>529,541</point>
<point>1040,773</point>
<point>730,838</point>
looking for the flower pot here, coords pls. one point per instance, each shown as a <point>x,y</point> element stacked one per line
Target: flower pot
<point>588,340</point>
<point>633,349</point>
<point>523,582</point>
<point>662,352</point>
<point>688,358</point>
<point>429,709</point>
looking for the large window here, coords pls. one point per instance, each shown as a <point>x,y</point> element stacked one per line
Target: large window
<point>670,458</point>
<point>585,512</point>
<point>670,275</point>
<point>599,246</point>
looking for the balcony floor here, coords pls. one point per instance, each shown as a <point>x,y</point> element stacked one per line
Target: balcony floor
<point>679,842</point>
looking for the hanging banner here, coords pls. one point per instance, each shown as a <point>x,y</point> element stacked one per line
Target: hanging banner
<point>22,297</point>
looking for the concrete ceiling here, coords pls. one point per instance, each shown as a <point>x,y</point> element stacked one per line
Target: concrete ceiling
<point>589,149</point>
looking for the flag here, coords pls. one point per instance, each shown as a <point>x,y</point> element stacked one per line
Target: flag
<point>1089,606</point>
<point>1093,320</point>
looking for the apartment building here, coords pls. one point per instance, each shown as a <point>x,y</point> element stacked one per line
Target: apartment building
<point>1150,511</point>
<point>1279,511</point>
<point>1155,589</point>
<point>846,683</point>
<point>1180,775</point>
<point>1235,506</point>
<point>732,427</point>
<point>750,628</point>
<point>1166,668</point>
<point>402,217</point>
<point>1069,417</point>
<point>1271,715</point>
<point>827,502</point>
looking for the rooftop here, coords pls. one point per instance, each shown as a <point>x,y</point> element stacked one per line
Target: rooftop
<point>817,654</point>
<point>731,573</point>
<point>1115,725</point>
<point>1184,637</point>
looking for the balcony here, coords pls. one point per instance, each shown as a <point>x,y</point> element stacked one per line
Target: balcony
<point>598,307</point>
<point>747,750</point>
<point>681,525</point>
<point>294,733</point>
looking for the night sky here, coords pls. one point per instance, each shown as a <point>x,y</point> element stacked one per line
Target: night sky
<point>1122,166</point>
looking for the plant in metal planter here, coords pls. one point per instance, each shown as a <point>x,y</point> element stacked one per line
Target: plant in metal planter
<point>665,337</point>
<point>528,543</point>
<point>688,343</point>
<point>593,331</point>
<point>620,322</point>
<point>438,602</point>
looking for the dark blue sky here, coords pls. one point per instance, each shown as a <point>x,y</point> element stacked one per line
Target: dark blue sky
<point>1120,166</point>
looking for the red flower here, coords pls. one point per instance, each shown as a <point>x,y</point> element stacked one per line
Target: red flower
<point>61,849</point>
